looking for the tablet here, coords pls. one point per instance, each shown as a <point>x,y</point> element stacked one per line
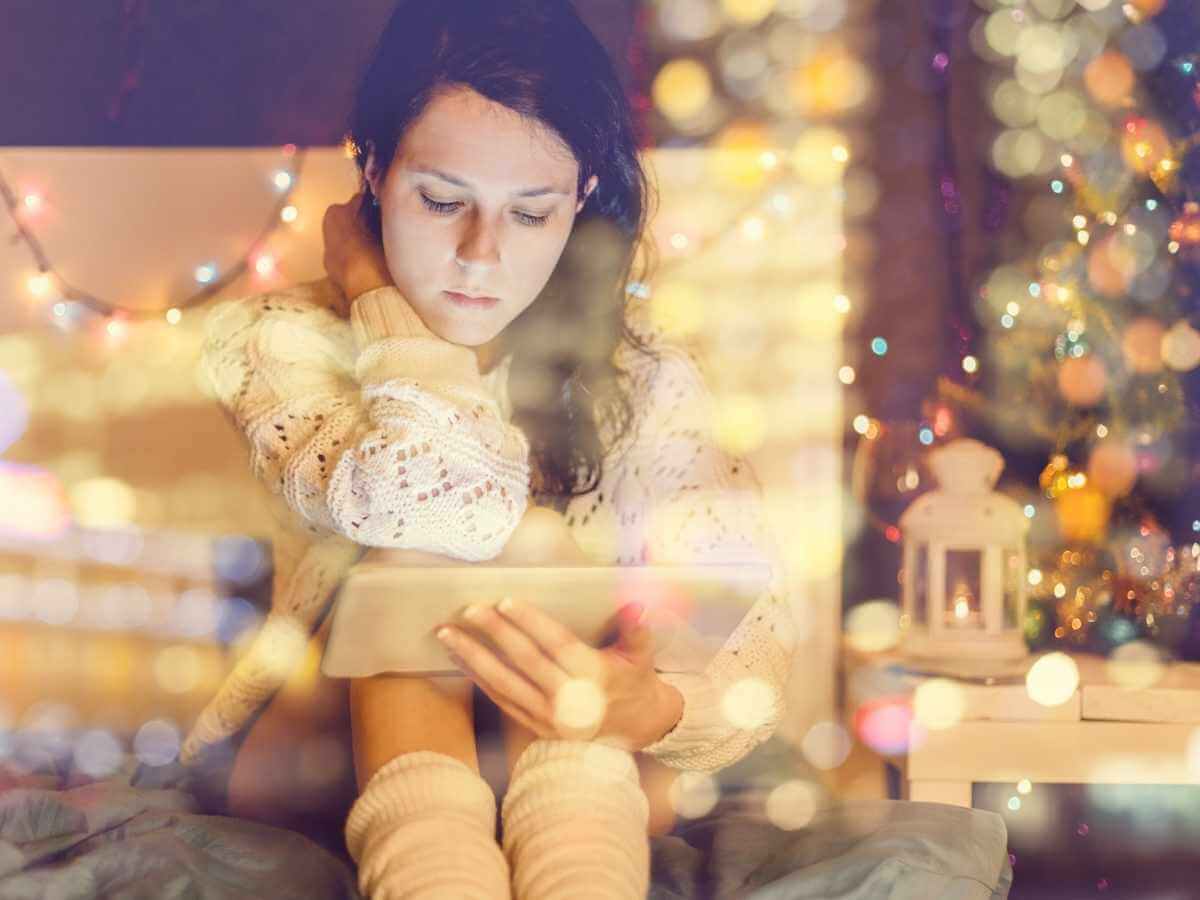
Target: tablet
<point>385,616</point>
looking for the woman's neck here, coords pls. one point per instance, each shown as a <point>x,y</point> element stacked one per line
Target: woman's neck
<point>489,355</point>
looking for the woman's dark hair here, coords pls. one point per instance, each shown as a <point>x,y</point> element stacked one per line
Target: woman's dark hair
<point>537,58</point>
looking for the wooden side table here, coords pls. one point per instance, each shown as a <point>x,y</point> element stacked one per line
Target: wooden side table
<point>1104,733</point>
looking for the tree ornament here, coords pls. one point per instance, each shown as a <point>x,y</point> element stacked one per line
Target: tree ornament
<point>1082,380</point>
<point>1083,514</point>
<point>1185,230</point>
<point>1181,346</point>
<point>1113,467</point>
<point>1141,345</point>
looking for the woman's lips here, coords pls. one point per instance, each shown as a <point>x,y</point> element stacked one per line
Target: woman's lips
<point>471,302</point>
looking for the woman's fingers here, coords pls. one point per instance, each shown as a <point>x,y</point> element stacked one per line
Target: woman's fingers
<point>555,639</point>
<point>521,650</point>
<point>497,680</point>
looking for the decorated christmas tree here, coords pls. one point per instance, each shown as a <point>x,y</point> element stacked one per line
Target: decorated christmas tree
<point>1089,339</point>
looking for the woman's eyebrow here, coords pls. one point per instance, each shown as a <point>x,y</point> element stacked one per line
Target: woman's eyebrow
<point>528,192</point>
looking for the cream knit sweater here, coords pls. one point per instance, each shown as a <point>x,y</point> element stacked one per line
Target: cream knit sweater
<point>375,432</point>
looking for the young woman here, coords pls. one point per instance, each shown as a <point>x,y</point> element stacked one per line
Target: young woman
<point>474,384</point>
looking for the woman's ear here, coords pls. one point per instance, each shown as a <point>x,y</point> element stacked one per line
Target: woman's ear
<point>371,170</point>
<point>587,192</point>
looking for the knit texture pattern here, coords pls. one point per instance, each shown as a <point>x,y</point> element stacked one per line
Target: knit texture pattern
<point>424,827</point>
<point>574,823</point>
<point>378,417</point>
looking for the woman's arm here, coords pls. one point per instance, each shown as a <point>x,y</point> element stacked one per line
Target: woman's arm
<point>706,507</point>
<point>378,431</point>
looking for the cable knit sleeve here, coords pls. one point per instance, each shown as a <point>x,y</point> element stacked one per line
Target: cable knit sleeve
<point>706,507</point>
<point>376,430</point>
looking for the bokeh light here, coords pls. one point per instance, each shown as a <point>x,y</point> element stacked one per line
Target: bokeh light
<point>1052,680</point>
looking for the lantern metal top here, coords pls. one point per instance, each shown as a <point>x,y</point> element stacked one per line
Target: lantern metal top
<point>965,508</point>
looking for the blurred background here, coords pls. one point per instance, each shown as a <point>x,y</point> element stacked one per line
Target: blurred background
<point>887,225</point>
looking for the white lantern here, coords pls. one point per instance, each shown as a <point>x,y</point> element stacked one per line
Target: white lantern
<point>964,560</point>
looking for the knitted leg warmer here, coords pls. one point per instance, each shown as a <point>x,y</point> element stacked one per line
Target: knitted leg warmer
<point>423,828</point>
<point>574,823</point>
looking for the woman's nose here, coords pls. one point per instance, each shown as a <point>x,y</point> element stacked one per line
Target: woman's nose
<point>479,245</point>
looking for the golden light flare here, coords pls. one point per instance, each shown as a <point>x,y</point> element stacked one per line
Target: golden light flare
<point>826,745</point>
<point>1136,665</point>
<point>819,155</point>
<point>177,669</point>
<point>749,703</point>
<point>738,156</point>
<point>1144,145</point>
<point>1141,345</point>
<point>748,12</point>
<point>793,804</point>
<point>740,422</point>
<point>678,309</point>
<point>1111,267</point>
<point>693,794</point>
<point>580,705</point>
<point>1109,78</point>
<point>830,81</point>
<point>1112,467</point>
<point>102,503</point>
<point>1082,514</point>
<point>873,626</point>
<point>1082,380</point>
<point>1181,347</point>
<point>1052,680</point>
<point>939,703</point>
<point>682,89</point>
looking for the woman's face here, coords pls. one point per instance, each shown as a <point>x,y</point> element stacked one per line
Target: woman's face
<point>480,202</point>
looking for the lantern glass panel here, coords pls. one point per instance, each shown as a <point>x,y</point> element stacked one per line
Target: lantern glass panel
<point>1012,586</point>
<point>921,585</point>
<point>964,607</point>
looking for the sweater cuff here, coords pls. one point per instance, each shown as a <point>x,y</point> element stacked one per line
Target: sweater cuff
<point>381,313</point>
<point>701,722</point>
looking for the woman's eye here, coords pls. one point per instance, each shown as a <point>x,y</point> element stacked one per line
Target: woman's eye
<point>527,219</point>
<point>440,208</point>
<point>444,209</point>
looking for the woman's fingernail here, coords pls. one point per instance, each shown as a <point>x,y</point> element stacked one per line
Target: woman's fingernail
<point>472,612</point>
<point>505,605</point>
<point>445,634</point>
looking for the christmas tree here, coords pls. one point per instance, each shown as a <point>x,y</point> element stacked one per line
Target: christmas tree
<point>1090,339</point>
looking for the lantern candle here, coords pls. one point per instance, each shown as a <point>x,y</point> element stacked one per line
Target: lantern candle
<point>964,557</point>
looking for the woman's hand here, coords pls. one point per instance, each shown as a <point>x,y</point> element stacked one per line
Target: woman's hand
<point>354,260</point>
<point>559,687</point>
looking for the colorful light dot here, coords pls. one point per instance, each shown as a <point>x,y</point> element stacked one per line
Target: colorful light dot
<point>970,365</point>
<point>879,346</point>
<point>264,264</point>
<point>846,375</point>
<point>862,424</point>
<point>206,273</point>
<point>925,435</point>
<point>282,179</point>
<point>1056,186</point>
<point>39,284</point>
<point>1030,511</point>
<point>841,303</point>
<point>173,316</point>
<point>289,213</point>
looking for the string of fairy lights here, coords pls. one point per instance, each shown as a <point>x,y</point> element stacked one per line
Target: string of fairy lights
<point>64,299</point>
